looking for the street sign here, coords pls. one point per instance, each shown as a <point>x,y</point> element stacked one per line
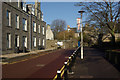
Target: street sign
<point>78,23</point>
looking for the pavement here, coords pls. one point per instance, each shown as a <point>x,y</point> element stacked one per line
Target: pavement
<point>15,55</point>
<point>94,66</point>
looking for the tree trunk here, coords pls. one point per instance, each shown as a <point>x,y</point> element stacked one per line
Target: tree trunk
<point>113,38</point>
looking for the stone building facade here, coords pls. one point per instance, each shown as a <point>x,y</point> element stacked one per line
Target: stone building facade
<point>23,28</point>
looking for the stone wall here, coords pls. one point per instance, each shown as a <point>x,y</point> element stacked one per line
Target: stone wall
<point>51,44</point>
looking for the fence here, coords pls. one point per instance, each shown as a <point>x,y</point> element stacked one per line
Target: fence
<point>113,56</point>
<point>66,69</point>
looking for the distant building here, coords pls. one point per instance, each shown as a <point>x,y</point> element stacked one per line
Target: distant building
<point>75,31</point>
<point>68,27</point>
<point>22,27</point>
<point>49,33</point>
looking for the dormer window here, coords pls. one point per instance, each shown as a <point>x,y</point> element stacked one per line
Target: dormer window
<point>18,3</point>
<point>24,6</point>
<point>33,10</point>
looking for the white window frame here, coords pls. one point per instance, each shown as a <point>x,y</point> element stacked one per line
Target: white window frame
<point>16,36</point>
<point>39,42</point>
<point>9,40</point>
<point>25,41</point>
<point>34,41</point>
<point>25,44</point>
<point>25,25</point>
<point>43,42</point>
<point>18,41</point>
<point>17,21</point>
<point>18,3</point>
<point>24,6</point>
<point>33,10</point>
<point>34,27</point>
<point>9,17</point>
<point>38,28</point>
<point>43,30</point>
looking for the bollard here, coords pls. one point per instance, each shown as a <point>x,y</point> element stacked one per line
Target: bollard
<point>70,70</point>
<point>70,66</point>
<point>74,57</point>
<point>69,60</point>
<point>59,75</point>
<point>65,71</point>
<point>72,60</point>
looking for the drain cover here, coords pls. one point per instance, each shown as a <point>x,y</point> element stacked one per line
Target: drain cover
<point>86,76</point>
<point>40,65</point>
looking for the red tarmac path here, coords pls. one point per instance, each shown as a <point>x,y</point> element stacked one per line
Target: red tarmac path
<point>44,66</point>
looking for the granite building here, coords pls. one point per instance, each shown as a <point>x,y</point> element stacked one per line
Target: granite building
<point>23,28</point>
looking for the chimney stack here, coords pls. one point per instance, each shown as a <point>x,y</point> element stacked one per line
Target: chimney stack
<point>36,7</point>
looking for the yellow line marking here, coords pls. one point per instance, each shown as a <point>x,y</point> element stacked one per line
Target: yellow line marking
<point>55,77</point>
<point>66,57</point>
<point>62,68</point>
<point>67,61</point>
<point>62,73</point>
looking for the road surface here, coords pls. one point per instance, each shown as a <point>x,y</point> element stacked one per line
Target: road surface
<point>44,66</point>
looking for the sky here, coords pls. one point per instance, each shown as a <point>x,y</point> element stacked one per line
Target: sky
<point>61,10</point>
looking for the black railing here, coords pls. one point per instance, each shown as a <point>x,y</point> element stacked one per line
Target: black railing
<point>67,68</point>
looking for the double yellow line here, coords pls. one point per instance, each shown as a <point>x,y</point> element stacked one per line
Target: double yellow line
<point>61,71</point>
<point>26,59</point>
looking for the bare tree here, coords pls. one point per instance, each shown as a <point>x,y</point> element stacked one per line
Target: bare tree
<point>103,14</point>
<point>58,26</point>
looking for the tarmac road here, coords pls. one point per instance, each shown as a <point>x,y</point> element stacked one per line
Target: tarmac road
<point>44,66</point>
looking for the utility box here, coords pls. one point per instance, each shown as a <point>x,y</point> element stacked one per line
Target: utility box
<point>78,43</point>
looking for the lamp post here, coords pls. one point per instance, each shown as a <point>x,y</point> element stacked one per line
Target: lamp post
<point>81,12</point>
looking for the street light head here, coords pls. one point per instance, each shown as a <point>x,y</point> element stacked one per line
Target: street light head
<point>81,11</point>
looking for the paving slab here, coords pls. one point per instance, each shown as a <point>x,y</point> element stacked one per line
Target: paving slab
<point>93,66</point>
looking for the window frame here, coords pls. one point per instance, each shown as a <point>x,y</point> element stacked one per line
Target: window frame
<point>24,22</point>
<point>39,42</point>
<point>8,18</point>
<point>9,41</point>
<point>34,42</point>
<point>39,28</point>
<point>43,30</point>
<point>43,42</point>
<point>17,22</point>
<point>25,41</point>
<point>34,26</point>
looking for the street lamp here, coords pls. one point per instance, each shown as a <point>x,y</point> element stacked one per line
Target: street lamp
<point>81,12</point>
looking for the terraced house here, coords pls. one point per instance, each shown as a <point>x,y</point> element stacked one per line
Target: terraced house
<point>23,28</point>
